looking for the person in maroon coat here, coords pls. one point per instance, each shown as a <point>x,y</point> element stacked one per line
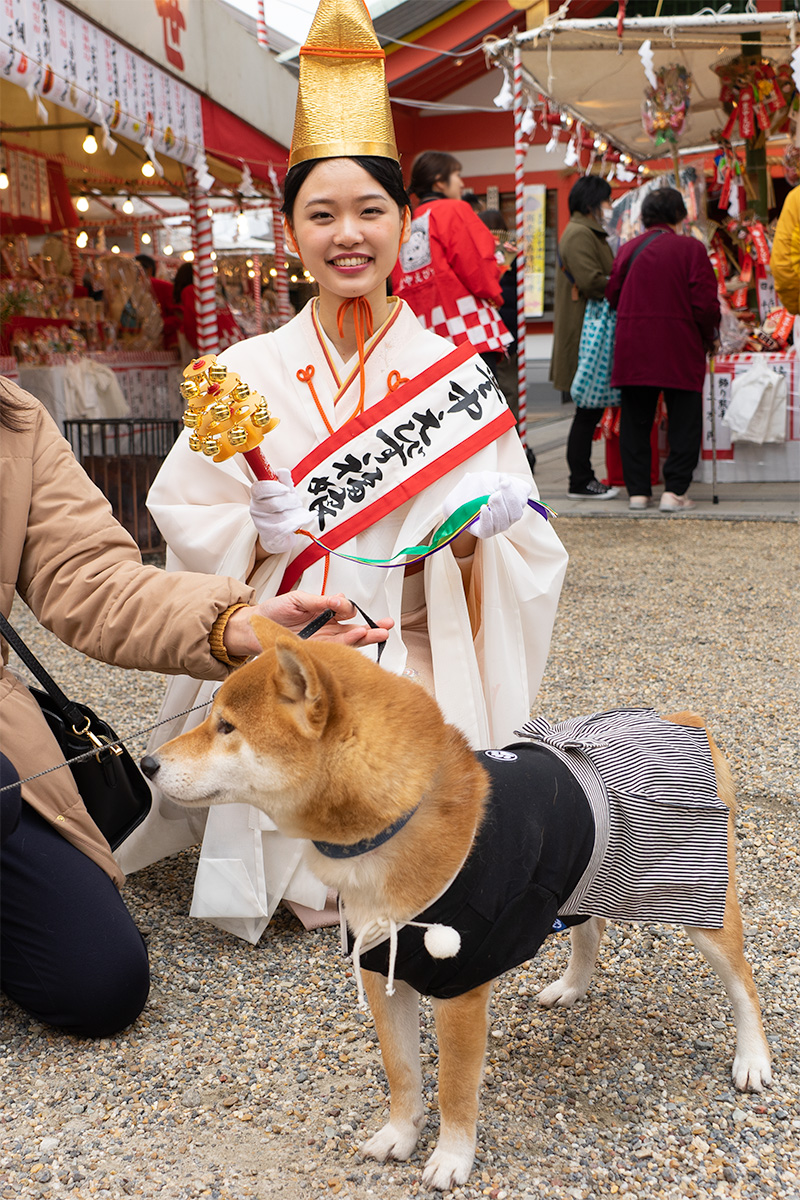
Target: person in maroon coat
<point>665,292</point>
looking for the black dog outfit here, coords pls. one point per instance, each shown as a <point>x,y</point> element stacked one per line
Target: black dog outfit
<point>613,815</point>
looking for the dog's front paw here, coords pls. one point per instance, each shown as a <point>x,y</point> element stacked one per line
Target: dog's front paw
<point>751,1072</point>
<point>561,994</point>
<point>393,1141</point>
<point>446,1169</point>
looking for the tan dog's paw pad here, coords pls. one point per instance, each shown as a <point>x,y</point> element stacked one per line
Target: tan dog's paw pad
<point>445,1170</point>
<point>393,1141</point>
<point>751,1073</point>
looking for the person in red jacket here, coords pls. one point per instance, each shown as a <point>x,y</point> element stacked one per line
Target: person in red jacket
<point>447,270</point>
<point>162,290</point>
<point>665,292</point>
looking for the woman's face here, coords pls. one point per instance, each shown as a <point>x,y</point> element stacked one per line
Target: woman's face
<point>452,187</point>
<point>347,229</point>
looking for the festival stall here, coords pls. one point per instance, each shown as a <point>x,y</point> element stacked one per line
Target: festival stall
<point>708,103</point>
<point>104,156</point>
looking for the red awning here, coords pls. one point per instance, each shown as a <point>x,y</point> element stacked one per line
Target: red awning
<point>222,131</point>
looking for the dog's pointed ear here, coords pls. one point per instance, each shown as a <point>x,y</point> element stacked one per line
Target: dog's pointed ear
<point>299,684</point>
<point>266,631</point>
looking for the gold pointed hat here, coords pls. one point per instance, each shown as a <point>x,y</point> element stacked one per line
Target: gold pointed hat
<point>343,102</point>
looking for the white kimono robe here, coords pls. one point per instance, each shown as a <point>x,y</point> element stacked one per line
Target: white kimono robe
<point>485,685</point>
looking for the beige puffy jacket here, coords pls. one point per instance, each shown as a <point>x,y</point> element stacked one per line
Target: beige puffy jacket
<point>75,566</point>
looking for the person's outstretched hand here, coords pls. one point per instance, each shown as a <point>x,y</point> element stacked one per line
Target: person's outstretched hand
<point>294,611</point>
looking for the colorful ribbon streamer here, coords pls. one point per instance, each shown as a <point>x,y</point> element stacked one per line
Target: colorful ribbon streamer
<point>455,524</point>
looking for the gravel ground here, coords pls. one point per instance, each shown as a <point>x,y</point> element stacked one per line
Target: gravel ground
<point>252,1074</point>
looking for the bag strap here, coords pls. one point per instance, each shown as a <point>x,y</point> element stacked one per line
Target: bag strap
<point>69,711</point>
<point>642,246</point>
<point>560,260</point>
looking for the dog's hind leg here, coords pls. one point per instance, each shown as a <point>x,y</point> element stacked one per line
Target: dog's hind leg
<point>724,951</point>
<point>397,1023</point>
<point>574,983</point>
<point>461,1029</point>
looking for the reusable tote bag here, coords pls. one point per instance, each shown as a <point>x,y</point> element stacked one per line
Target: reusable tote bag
<point>591,387</point>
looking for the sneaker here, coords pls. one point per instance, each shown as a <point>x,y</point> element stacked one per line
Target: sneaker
<point>637,503</point>
<point>594,490</point>
<point>672,503</point>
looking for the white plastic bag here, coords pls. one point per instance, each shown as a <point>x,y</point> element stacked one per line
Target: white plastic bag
<point>757,411</point>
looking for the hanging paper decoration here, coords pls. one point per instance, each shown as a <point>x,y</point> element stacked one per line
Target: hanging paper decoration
<point>666,105</point>
<point>646,55</point>
<point>753,94</point>
<point>730,180</point>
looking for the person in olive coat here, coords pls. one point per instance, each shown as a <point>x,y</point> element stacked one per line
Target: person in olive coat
<point>584,265</point>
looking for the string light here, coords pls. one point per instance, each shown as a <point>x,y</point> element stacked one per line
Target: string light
<point>213,256</point>
<point>251,274</point>
<point>294,279</point>
<point>82,240</point>
<point>127,207</point>
<point>168,250</point>
<point>82,204</point>
<point>148,170</point>
<point>3,179</point>
<point>146,239</point>
<point>115,249</point>
<point>188,256</point>
<point>90,142</point>
<point>273,272</point>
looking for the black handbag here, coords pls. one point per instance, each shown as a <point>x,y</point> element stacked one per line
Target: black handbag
<point>113,789</point>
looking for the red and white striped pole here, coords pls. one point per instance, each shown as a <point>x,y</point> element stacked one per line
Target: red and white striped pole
<point>519,190</point>
<point>205,299</point>
<point>261,25</point>
<point>282,277</point>
<point>257,293</point>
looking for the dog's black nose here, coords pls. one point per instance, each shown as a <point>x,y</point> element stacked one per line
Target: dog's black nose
<point>150,765</point>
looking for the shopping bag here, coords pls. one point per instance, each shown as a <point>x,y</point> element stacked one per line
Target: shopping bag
<point>591,387</point>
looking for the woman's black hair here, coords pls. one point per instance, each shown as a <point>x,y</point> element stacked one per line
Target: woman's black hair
<point>588,194</point>
<point>430,167</point>
<point>493,219</point>
<point>385,171</point>
<point>663,206</point>
<point>183,277</point>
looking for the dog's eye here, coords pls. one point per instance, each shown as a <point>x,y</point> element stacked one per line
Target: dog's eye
<point>224,726</point>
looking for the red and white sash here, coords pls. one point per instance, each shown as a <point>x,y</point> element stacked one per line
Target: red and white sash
<point>392,451</point>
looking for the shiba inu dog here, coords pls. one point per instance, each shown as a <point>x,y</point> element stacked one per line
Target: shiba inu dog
<point>401,816</point>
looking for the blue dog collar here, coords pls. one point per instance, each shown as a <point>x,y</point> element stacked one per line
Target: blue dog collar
<point>339,850</point>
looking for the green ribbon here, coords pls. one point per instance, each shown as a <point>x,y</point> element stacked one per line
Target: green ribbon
<point>455,524</point>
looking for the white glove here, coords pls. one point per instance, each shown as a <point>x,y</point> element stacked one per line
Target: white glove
<point>508,496</point>
<point>277,512</point>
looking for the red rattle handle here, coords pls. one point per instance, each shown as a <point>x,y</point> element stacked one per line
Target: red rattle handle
<point>259,465</point>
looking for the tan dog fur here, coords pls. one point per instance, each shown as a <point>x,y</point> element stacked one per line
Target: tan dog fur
<point>335,749</point>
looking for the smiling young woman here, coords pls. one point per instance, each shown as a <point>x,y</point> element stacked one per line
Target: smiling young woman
<point>347,218</point>
<point>385,429</point>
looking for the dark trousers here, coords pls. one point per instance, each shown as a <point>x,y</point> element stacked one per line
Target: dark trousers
<point>579,446</point>
<point>685,413</point>
<point>70,953</point>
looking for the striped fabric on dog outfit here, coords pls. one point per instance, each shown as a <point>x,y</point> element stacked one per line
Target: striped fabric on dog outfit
<point>661,830</point>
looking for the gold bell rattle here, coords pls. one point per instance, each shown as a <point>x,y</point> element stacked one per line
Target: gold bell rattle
<point>225,417</point>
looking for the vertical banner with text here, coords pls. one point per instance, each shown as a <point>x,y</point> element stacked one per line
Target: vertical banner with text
<point>534,212</point>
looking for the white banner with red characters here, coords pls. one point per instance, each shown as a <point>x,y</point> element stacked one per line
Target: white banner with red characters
<point>58,55</point>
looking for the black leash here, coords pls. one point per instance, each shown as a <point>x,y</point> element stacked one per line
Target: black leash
<point>50,685</point>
